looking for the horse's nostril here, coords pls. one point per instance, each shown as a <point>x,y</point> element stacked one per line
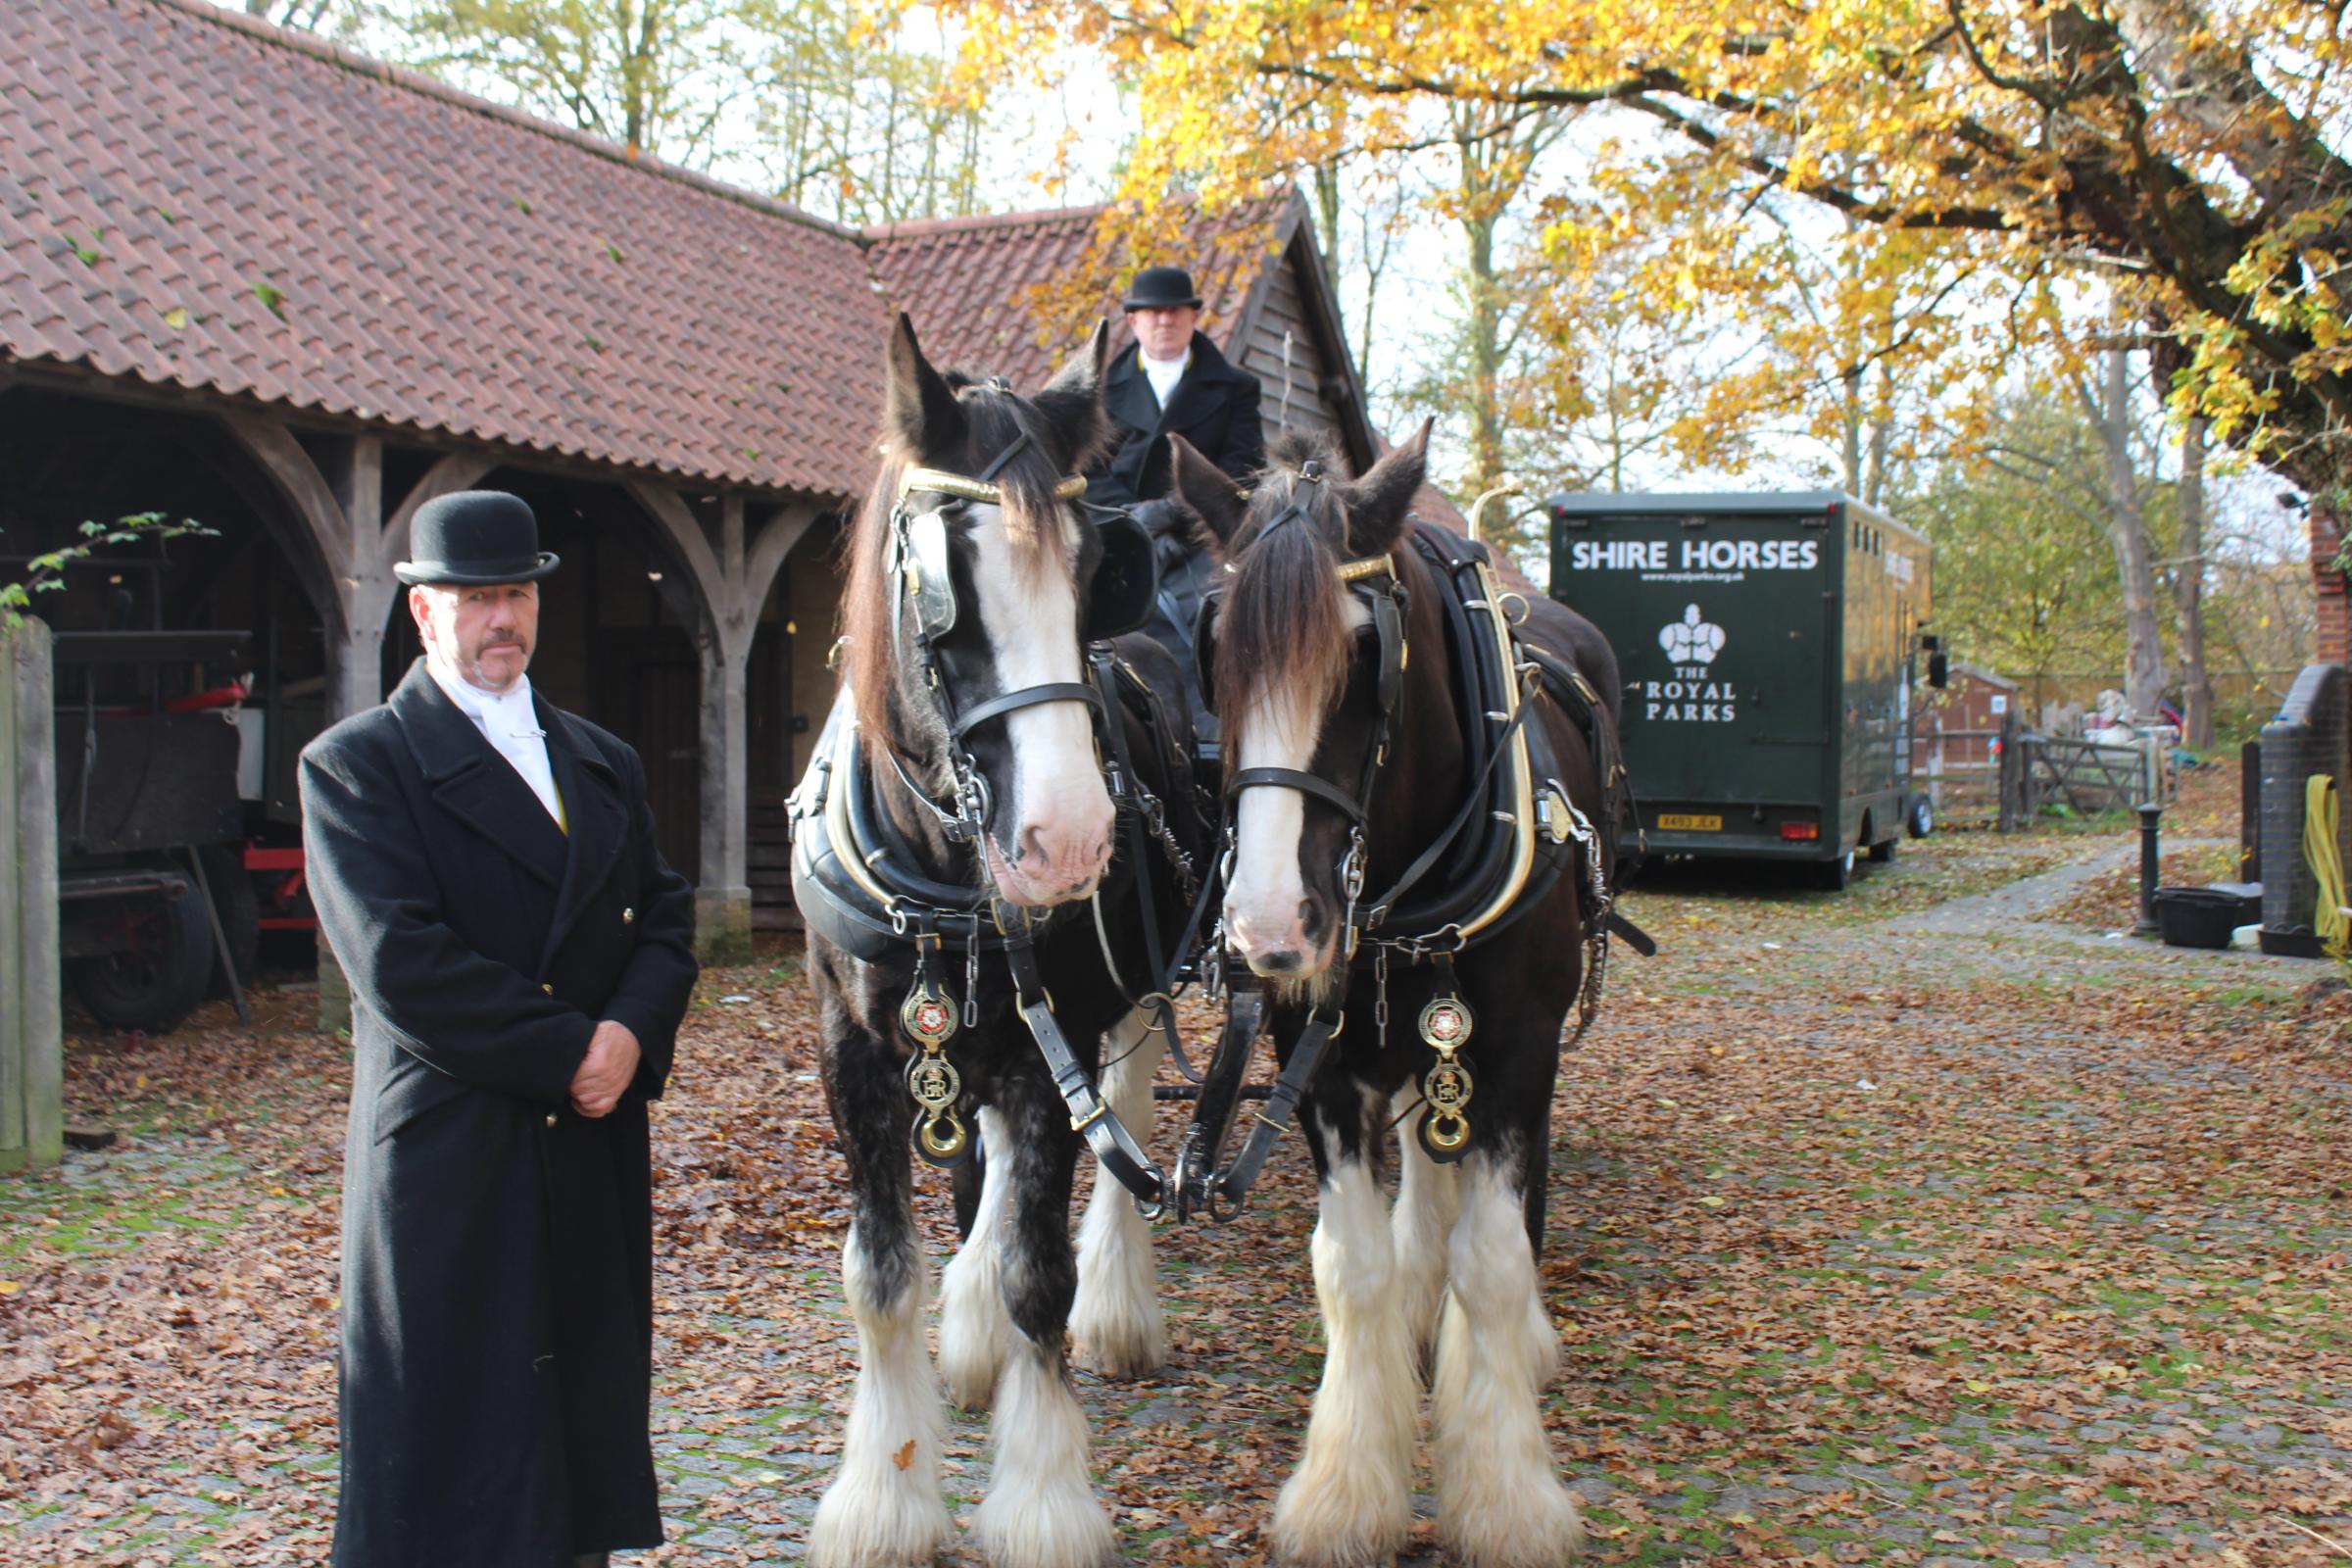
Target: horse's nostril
<point>1282,961</point>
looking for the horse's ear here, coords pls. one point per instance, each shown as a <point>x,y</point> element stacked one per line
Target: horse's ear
<point>1379,502</point>
<point>1072,402</point>
<point>923,411</point>
<point>1204,496</point>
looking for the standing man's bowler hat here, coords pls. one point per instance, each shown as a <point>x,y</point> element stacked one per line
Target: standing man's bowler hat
<point>475,537</point>
<point>1163,288</point>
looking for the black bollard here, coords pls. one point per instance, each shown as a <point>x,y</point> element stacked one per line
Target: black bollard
<point>2148,868</point>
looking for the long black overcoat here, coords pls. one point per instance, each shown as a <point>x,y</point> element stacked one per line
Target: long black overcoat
<point>497,1270</point>
<point>1214,407</point>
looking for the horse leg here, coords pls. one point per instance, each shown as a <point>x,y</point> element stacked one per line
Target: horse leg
<point>1118,1319</point>
<point>1427,1201</point>
<point>975,1334</point>
<point>1040,1510</point>
<point>1350,1499</point>
<point>1500,1502</point>
<point>883,1508</point>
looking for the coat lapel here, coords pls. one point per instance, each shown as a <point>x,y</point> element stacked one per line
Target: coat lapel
<point>595,811</point>
<point>1199,393</point>
<point>1128,394</point>
<point>473,783</point>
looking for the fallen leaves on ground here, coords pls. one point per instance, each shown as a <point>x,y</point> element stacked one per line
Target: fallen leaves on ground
<point>1858,1255</point>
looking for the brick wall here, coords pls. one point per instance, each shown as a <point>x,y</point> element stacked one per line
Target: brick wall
<point>2333,643</point>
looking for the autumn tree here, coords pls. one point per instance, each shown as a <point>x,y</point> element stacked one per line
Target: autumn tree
<point>2180,145</point>
<point>2024,584</point>
<point>826,102</point>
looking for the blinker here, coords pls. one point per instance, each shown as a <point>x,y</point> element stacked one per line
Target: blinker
<point>925,572</point>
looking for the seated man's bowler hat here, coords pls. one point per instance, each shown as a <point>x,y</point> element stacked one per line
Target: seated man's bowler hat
<point>1163,288</point>
<point>474,537</point>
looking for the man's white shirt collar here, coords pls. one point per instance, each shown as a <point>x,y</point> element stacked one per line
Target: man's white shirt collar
<point>510,722</point>
<point>1164,374</point>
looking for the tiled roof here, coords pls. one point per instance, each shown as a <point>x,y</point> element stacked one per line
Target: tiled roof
<point>191,198</point>
<point>981,290</point>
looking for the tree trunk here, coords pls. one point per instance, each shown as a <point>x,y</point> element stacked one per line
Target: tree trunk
<point>1485,355</point>
<point>2128,531</point>
<point>2188,592</point>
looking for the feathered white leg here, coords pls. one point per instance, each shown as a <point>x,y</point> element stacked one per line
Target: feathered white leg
<point>1427,1200</point>
<point>1500,1502</point>
<point>883,1510</point>
<point>1040,1510</point>
<point>1350,1500</point>
<point>974,1331</point>
<point>1116,1320</point>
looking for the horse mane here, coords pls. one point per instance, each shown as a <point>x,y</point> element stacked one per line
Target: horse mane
<point>995,419</point>
<point>1283,626</point>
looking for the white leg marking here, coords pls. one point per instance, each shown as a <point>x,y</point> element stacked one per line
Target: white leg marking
<point>975,1332</point>
<point>1351,1502</point>
<point>1039,1511</point>
<point>883,1510</point>
<point>1427,1201</point>
<point>1501,1503</point>
<point>1117,1319</point>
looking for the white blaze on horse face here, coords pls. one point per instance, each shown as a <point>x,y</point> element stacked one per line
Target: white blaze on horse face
<point>1267,896</point>
<point>1265,901</point>
<point>1059,814</point>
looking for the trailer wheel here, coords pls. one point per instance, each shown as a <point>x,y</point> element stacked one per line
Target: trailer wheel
<point>154,982</point>
<point>1835,875</point>
<point>1920,820</point>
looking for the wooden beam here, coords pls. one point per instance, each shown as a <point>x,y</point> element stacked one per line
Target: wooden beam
<point>718,594</point>
<point>296,478</point>
<point>790,525</point>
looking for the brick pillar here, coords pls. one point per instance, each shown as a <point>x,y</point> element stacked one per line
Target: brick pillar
<point>2333,643</point>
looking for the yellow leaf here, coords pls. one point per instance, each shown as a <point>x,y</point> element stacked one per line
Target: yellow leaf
<point>1712,1201</point>
<point>8,1286</point>
<point>905,1458</point>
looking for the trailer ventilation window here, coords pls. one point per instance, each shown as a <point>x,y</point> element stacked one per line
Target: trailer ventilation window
<point>1801,832</point>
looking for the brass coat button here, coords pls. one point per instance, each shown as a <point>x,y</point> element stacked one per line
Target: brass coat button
<point>628,917</point>
<point>551,1118</point>
<point>549,989</point>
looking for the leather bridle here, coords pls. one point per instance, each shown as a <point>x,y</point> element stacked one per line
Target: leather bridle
<point>923,596</point>
<point>1372,579</point>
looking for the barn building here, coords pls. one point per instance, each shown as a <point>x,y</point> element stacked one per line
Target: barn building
<point>257,281</point>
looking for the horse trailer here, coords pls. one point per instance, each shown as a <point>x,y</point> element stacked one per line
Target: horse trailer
<point>1768,645</point>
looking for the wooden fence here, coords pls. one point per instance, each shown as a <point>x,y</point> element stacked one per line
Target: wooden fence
<point>32,1027</point>
<point>2005,777</point>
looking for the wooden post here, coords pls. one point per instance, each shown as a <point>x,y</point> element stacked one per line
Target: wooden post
<point>31,1024</point>
<point>1935,769</point>
<point>2009,780</point>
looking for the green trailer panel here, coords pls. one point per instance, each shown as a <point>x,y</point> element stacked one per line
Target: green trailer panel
<point>1767,644</point>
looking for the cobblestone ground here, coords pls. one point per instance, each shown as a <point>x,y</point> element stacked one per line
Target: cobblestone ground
<point>1892,1227</point>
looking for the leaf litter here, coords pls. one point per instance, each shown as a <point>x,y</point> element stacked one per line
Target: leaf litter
<point>2069,1281</point>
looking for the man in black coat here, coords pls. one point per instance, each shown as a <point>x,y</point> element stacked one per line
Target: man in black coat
<point>484,867</point>
<point>1171,380</point>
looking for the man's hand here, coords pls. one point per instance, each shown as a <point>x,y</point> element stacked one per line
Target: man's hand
<point>605,1071</point>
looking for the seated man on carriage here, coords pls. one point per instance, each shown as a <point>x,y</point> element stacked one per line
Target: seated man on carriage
<point>1172,380</point>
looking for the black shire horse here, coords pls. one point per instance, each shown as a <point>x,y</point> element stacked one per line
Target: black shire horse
<point>1364,667</point>
<point>985,779</point>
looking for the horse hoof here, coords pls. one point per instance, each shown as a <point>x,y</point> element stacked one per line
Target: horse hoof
<point>1538,1528</point>
<point>867,1522</point>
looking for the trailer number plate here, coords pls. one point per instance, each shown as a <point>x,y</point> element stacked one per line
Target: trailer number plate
<point>1676,822</point>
